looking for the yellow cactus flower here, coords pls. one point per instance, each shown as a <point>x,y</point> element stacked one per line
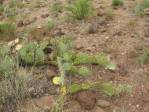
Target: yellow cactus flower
<point>56,80</point>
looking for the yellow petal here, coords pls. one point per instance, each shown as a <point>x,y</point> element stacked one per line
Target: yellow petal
<point>63,90</point>
<point>56,80</point>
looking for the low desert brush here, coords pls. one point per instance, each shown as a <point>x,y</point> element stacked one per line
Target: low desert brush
<point>81,9</point>
<point>117,2</point>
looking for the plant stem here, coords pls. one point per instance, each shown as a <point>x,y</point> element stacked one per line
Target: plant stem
<point>61,70</point>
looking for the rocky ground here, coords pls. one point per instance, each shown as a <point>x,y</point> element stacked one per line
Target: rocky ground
<point>119,33</point>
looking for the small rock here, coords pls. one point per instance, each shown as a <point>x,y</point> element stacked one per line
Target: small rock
<point>123,70</point>
<point>50,74</point>
<point>146,11</point>
<point>93,28</point>
<point>44,102</point>
<point>87,99</point>
<point>99,110</point>
<point>44,15</point>
<point>20,23</point>
<point>74,106</point>
<point>78,46</point>
<point>103,103</point>
<point>89,49</point>
<point>102,30</point>
<point>100,13</point>
<point>58,32</point>
<point>29,21</point>
<point>107,37</point>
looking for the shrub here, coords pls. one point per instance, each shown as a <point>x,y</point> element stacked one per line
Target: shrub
<point>6,62</point>
<point>81,9</point>
<point>13,90</point>
<point>31,53</point>
<point>7,31</point>
<point>50,24</point>
<point>117,2</point>
<point>6,65</point>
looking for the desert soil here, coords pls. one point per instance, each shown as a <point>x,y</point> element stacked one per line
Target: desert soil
<point>122,37</point>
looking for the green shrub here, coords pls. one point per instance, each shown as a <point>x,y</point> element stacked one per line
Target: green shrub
<point>7,31</point>
<point>99,59</point>
<point>81,9</point>
<point>107,88</point>
<point>72,69</point>
<point>31,53</point>
<point>140,7</point>
<point>6,65</point>
<point>115,90</point>
<point>117,2</point>
<point>6,62</point>
<point>50,24</point>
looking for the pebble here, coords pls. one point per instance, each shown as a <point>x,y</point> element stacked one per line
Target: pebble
<point>87,99</point>
<point>103,103</point>
<point>99,110</point>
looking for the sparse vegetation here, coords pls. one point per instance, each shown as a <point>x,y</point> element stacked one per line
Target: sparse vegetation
<point>117,2</point>
<point>144,58</point>
<point>31,53</point>
<point>81,9</point>
<point>7,31</point>
<point>7,62</point>
<point>13,89</point>
<point>50,24</point>
<point>56,7</point>
<point>140,7</point>
<point>51,64</point>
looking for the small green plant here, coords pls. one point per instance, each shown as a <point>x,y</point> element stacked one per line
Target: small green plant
<point>140,7</point>
<point>50,24</point>
<point>81,9</point>
<point>31,53</point>
<point>6,65</point>
<point>6,61</point>
<point>99,59</point>
<point>56,7</point>
<point>144,58</point>
<point>114,90</point>
<point>7,31</point>
<point>117,2</point>
<point>107,88</point>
